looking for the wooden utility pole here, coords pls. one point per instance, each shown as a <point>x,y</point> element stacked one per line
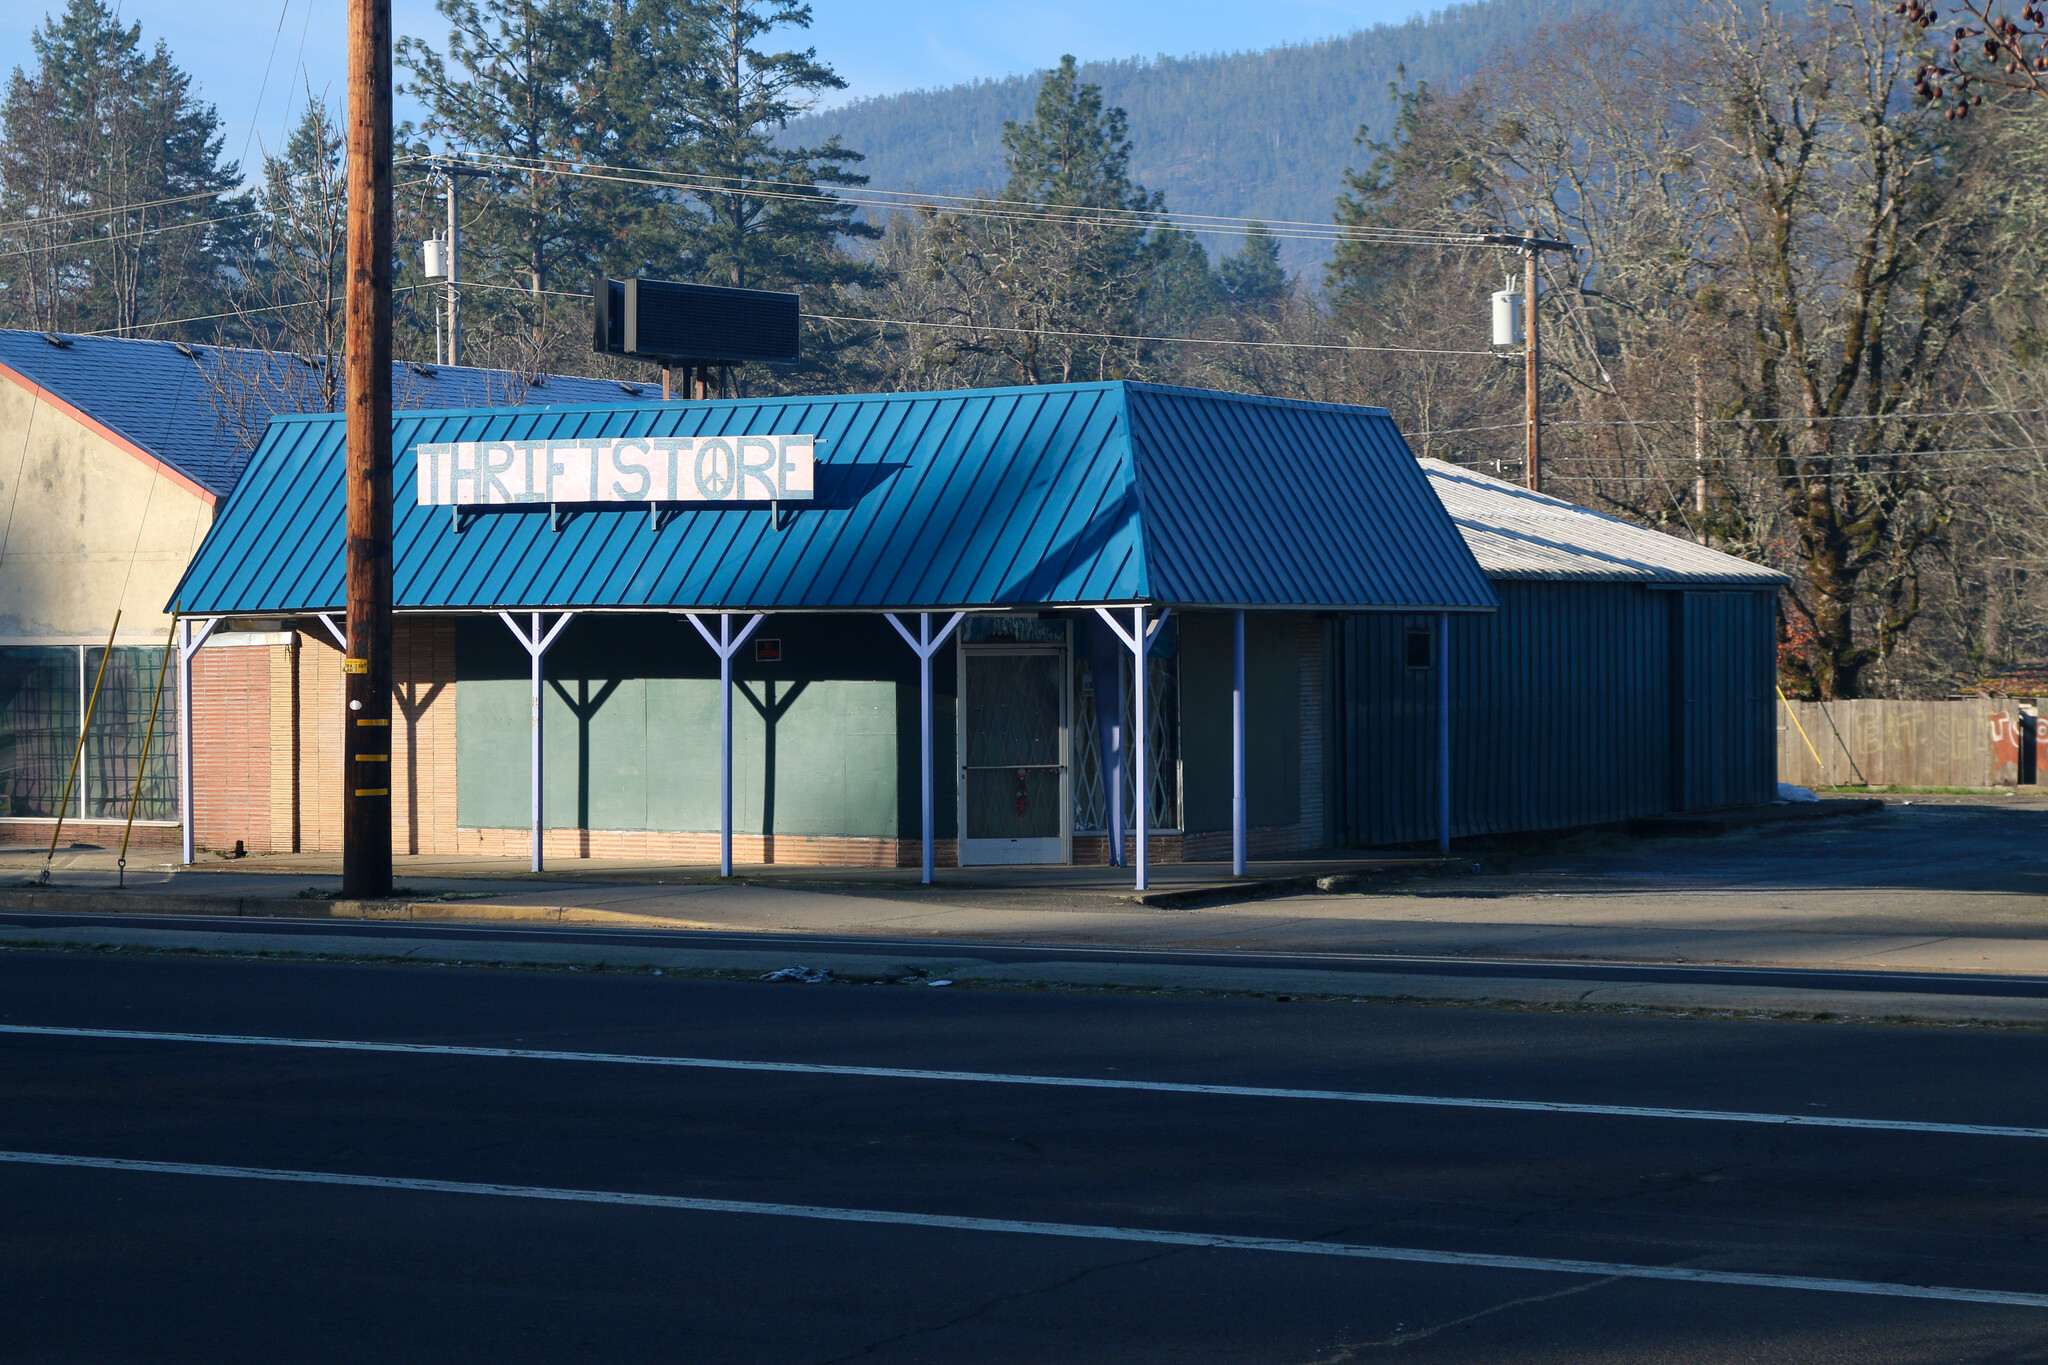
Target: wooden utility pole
<point>454,171</point>
<point>366,671</point>
<point>1532,357</point>
<point>1699,443</point>
<point>1532,248</point>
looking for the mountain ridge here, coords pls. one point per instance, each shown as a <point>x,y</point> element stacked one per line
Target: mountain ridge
<point>1265,134</point>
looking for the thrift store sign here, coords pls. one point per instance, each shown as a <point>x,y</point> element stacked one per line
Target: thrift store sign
<point>622,469</point>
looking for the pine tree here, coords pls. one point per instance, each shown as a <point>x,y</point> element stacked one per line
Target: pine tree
<point>1252,278</point>
<point>764,216</point>
<point>1425,174</point>
<point>301,256</point>
<point>542,89</point>
<point>119,210</point>
<point>1059,293</point>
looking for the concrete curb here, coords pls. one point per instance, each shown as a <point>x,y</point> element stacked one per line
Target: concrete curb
<point>270,907</point>
<point>966,969</point>
<point>39,901</point>
<point>1229,893</point>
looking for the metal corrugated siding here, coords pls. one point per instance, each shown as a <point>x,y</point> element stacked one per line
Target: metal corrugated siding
<point>159,398</point>
<point>1560,716</point>
<point>1258,501</point>
<point>987,497</point>
<point>1517,534</point>
<point>1729,732</point>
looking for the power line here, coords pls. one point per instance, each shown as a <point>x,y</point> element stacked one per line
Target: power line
<point>1029,211</point>
<point>1686,477</point>
<point>237,313</point>
<point>1042,331</point>
<point>1724,421</point>
<point>83,243</point>
<point>978,207</point>
<point>56,218</point>
<point>1689,461</point>
<point>263,87</point>
<point>1117,336</point>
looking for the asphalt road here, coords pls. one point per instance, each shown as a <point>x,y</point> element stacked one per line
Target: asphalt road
<point>385,1203</point>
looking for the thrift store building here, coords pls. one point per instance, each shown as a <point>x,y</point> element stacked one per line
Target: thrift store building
<point>979,626</point>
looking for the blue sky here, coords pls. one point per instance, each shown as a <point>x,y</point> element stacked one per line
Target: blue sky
<point>879,46</point>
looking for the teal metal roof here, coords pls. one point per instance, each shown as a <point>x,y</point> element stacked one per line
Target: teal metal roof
<point>1057,495</point>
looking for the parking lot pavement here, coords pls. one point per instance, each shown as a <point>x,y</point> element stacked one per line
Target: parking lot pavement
<point>480,1165</point>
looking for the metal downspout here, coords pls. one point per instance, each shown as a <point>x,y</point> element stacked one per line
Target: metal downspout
<point>1237,810</point>
<point>1443,732</point>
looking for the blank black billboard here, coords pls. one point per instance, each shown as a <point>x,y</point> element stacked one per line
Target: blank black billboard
<point>661,320</point>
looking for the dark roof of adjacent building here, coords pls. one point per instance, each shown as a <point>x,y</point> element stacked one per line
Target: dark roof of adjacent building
<point>167,399</point>
<point>1517,534</point>
<point>1060,494</point>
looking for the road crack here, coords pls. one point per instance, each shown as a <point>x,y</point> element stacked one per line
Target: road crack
<point>1354,1350</point>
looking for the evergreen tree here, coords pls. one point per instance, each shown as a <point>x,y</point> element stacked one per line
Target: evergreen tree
<point>300,259</point>
<point>118,209</point>
<point>1056,288</point>
<point>1184,290</point>
<point>535,87</point>
<point>1252,278</point>
<point>1425,174</point>
<point>763,215</point>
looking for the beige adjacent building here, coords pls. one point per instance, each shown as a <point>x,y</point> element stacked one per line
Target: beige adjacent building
<point>114,455</point>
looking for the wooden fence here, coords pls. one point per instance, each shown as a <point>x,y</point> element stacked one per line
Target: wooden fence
<point>1905,743</point>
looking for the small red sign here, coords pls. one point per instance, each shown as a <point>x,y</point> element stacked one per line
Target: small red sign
<point>768,651</point>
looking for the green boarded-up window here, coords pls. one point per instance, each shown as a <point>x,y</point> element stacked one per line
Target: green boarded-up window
<point>824,737</point>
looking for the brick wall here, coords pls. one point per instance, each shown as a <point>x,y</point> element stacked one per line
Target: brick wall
<point>803,850</point>
<point>267,741</point>
<point>34,833</point>
<point>1092,850</point>
<point>231,741</point>
<point>423,737</point>
<point>421,742</point>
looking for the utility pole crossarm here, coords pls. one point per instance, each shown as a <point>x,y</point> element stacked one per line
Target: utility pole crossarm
<point>1522,243</point>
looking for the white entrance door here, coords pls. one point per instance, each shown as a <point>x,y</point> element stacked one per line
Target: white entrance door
<point>1014,803</point>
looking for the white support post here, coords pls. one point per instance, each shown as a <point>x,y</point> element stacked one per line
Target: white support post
<point>1115,762</point>
<point>924,646</point>
<point>725,646</point>
<point>536,646</point>
<point>187,647</point>
<point>1237,810</point>
<point>1443,732</point>
<point>1141,774</point>
<point>340,635</point>
<point>1138,640</point>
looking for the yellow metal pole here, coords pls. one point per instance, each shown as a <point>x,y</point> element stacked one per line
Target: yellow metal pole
<point>148,734</point>
<point>79,752</point>
<point>1802,734</point>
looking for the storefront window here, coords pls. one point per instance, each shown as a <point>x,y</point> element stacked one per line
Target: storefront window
<point>113,745</point>
<point>43,695</point>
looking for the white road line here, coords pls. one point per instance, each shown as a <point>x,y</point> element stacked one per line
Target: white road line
<point>1153,1236</point>
<point>1259,1092</point>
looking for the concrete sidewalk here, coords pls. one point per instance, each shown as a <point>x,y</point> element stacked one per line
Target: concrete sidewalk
<point>1943,885</point>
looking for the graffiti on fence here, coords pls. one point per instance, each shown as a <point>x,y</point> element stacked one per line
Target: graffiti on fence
<point>1973,743</point>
